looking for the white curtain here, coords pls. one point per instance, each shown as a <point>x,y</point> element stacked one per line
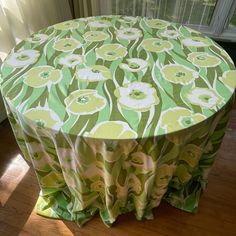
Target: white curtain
<point>198,12</point>
<point>189,12</point>
<point>20,18</point>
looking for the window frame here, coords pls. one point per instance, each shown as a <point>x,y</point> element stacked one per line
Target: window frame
<point>219,26</point>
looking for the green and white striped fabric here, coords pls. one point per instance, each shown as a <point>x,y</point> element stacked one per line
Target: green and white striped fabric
<point>116,113</point>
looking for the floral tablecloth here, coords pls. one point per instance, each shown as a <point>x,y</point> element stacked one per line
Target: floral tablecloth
<point>116,113</point>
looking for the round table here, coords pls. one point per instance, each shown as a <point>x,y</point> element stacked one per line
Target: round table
<point>116,113</point>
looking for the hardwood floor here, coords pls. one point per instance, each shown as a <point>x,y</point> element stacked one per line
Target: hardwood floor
<point>19,191</point>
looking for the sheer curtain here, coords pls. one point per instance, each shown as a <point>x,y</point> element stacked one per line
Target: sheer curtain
<point>191,12</point>
<point>197,12</point>
<point>20,18</point>
<point>85,8</point>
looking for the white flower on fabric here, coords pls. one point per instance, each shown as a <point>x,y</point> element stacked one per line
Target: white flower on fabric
<point>44,117</point>
<point>129,33</point>
<point>42,76</point>
<point>179,74</point>
<point>177,118</point>
<point>203,59</point>
<point>204,97</point>
<point>22,58</point>
<point>137,96</point>
<point>111,130</point>
<point>37,38</point>
<point>95,36</point>
<point>94,73</point>
<point>134,65</point>
<point>71,60</point>
<point>196,42</point>
<point>171,34</point>
<point>157,23</point>
<point>100,24</point>
<point>67,25</point>
<point>111,51</point>
<point>84,102</point>
<point>66,44</point>
<point>128,19</point>
<point>156,45</point>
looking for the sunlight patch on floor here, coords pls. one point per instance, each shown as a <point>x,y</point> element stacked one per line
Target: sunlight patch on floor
<point>51,226</point>
<point>13,175</point>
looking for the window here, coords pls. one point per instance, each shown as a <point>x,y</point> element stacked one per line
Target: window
<point>182,11</point>
<point>232,23</point>
<point>215,18</point>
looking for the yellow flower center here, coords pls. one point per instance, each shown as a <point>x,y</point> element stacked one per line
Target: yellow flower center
<point>40,123</point>
<point>72,61</point>
<point>83,99</point>
<point>45,74</point>
<point>187,121</point>
<point>95,71</point>
<point>67,45</point>
<point>22,57</point>
<point>36,38</point>
<point>137,94</point>
<point>180,74</point>
<point>133,65</point>
<point>157,43</point>
<point>36,156</point>
<point>128,32</point>
<point>205,97</point>
<point>110,53</point>
<point>201,58</point>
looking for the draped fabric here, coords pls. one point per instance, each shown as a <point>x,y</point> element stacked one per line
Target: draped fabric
<point>116,113</point>
<point>197,12</point>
